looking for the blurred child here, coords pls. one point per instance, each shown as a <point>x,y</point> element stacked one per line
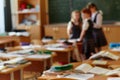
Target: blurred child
<point>97,19</point>
<point>74,26</point>
<point>73,31</point>
<point>87,33</point>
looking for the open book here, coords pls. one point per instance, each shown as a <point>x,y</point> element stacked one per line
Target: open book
<point>78,76</point>
<point>84,68</point>
<point>2,67</point>
<point>98,70</point>
<point>19,60</point>
<point>114,72</point>
<point>104,54</point>
<point>114,78</point>
<point>87,68</point>
<point>99,62</point>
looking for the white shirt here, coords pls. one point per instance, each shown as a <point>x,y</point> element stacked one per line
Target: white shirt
<point>85,25</point>
<point>69,26</point>
<point>99,20</point>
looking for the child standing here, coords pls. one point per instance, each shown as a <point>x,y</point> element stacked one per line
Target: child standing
<point>98,33</point>
<point>73,31</point>
<point>87,33</point>
<point>74,26</point>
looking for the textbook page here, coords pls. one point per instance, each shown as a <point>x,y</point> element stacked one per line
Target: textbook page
<point>78,76</point>
<point>98,70</point>
<point>84,68</point>
<point>99,62</point>
<point>115,78</point>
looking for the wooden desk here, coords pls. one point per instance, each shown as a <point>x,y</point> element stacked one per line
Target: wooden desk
<point>62,55</point>
<point>13,73</point>
<point>38,65</point>
<point>110,62</point>
<point>8,41</point>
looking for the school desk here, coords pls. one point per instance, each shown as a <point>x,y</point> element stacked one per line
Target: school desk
<point>66,54</point>
<point>61,55</point>
<point>39,62</point>
<point>15,73</point>
<point>110,63</point>
<point>6,42</point>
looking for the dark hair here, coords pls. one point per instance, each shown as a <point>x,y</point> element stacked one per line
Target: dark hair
<point>86,10</point>
<point>92,5</point>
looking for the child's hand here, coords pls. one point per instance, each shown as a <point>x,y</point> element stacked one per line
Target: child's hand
<point>79,40</point>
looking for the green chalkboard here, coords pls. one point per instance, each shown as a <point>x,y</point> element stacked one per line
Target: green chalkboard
<point>59,10</point>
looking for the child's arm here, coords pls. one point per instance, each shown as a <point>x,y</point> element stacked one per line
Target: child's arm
<point>84,28</point>
<point>99,20</point>
<point>69,29</point>
<point>82,35</point>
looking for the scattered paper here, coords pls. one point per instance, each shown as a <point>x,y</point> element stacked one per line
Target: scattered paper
<point>116,49</point>
<point>37,56</point>
<point>99,62</point>
<point>80,76</point>
<point>30,47</point>
<point>106,55</point>
<point>56,49</point>
<point>72,40</point>
<point>2,67</point>
<point>98,70</point>
<point>115,78</point>
<point>84,68</point>
<point>15,60</point>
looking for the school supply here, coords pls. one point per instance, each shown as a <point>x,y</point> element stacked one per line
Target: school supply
<point>104,54</point>
<point>84,68</point>
<point>87,68</point>
<point>114,78</point>
<point>114,45</point>
<point>78,76</point>
<point>61,68</point>
<point>99,62</point>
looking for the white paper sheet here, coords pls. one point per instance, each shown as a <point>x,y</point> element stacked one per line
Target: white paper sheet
<point>84,68</point>
<point>4,55</point>
<point>15,60</point>
<point>80,76</point>
<point>116,49</point>
<point>99,62</point>
<point>39,56</point>
<point>56,49</point>
<point>98,70</point>
<point>31,47</point>
<point>72,40</point>
<point>115,78</point>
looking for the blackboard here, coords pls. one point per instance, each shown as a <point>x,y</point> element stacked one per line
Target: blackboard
<point>59,10</point>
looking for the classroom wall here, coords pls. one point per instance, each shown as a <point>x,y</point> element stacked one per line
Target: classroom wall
<point>59,10</point>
